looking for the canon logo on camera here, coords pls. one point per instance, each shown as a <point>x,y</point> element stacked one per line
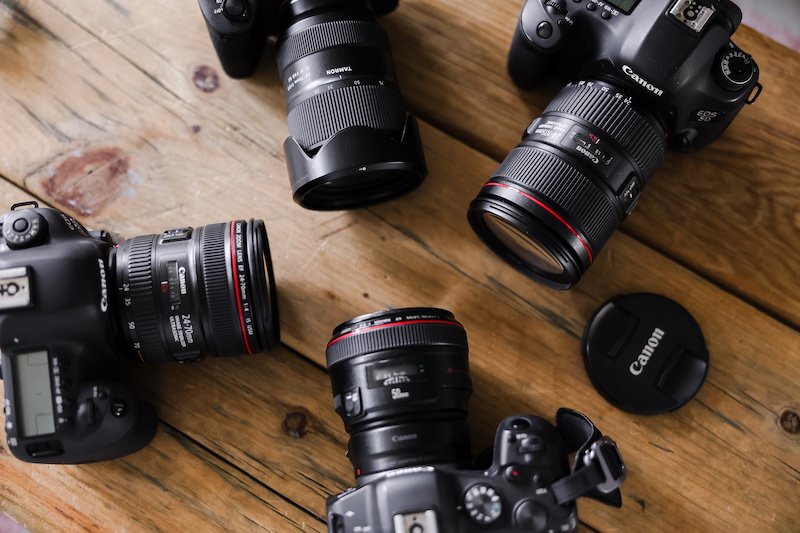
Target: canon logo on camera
<point>641,81</point>
<point>637,367</point>
<point>103,287</point>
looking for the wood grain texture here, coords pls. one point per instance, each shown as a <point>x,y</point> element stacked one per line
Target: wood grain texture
<point>124,119</point>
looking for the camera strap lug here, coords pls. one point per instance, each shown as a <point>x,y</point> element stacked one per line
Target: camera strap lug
<point>598,470</point>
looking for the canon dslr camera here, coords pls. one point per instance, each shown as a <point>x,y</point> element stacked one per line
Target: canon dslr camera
<point>401,384</point>
<point>649,74</point>
<point>71,301</point>
<point>352,142</point>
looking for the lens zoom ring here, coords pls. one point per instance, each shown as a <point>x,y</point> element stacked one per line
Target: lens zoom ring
<point>395,337</point>
<point>216,283</point>
<point>318,118</point>
<point>330,35</point>
<point>565,187</point>
<point>642,139</point>
<point>143,303</point>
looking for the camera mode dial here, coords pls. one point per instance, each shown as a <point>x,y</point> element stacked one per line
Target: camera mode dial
<point>23,228</point>
<point>483,504</point>
<point>735,70</point>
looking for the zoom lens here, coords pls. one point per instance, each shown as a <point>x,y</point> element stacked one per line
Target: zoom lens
<point>352,142</point>
<point>189,292</point>
<point>577,174</point>
<point>401,385</point>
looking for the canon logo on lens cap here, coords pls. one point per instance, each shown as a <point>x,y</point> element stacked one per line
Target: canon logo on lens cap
<point>647,352</point>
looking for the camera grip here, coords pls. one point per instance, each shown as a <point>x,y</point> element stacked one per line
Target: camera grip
<point>238,31</point>
<point>527,66</point>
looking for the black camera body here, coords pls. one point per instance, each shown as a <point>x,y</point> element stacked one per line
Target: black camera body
<point>56,337</point>
<point>644,76</point>
<point>526,488</point>
<point>73,303</point>
<point>352,142</point>
<point>401,384</point>
<point>674,54</point>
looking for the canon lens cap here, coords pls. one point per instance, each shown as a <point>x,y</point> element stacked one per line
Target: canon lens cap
<point>645,353</point>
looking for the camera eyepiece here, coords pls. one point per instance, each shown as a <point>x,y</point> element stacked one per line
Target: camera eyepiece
<point>192,292</point>
<point>562,192</point>
<point>352,141</point>
<point>401,385</point>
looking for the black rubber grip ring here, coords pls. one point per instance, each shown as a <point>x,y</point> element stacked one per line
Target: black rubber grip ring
<point>386,338</point>
<point>560,185</point>
<point>143,303</point>
<point>330,35</point>
<point>643,140</point>
<point>316,119</point>
<point>217,286</point>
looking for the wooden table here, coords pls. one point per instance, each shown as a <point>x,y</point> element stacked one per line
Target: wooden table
<point>119,113</point>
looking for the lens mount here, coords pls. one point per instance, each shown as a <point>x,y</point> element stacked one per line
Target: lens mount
<point>401,385</point>
<point>562,192</point>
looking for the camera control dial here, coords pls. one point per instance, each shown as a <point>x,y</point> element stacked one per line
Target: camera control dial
<point>23,228</point>
<point>483,504</point>
<point>736,69</point>
<point>530,516</point>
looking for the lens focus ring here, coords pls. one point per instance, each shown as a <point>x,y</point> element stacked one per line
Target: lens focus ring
<point>216,283</point>
<point>617,119</point>
<point>140,279</point>
<point>329,35</point>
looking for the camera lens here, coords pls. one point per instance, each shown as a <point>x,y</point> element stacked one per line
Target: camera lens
<point>562,192</point>
<point>352,142</point>
<point>189,292</point>
<point>401,385</point>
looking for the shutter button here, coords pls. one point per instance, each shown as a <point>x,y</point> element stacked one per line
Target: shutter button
<point>235,9</point>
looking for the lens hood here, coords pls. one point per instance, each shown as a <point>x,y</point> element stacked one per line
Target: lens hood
<point>357,167</point>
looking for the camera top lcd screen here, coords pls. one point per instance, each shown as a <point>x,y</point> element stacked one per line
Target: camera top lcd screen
<point>33,394</point>
<point>626,6</point>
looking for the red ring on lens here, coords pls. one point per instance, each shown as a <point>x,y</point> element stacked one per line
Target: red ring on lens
<point>390,324</point>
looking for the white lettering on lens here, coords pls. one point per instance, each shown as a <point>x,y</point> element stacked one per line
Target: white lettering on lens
<point>182,279</point>
<point>641,81</point>
<point>103,287</point>
<point>399,394</point>
<point>402,438</point>
<point>588,154</point>
<point>637,367</point>
<point>338,70</point>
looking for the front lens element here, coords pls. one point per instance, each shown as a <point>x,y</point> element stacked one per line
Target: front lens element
<point>524,247</point>
<point>189,292</point>
<point>401,385</point>
<point>562,192</point>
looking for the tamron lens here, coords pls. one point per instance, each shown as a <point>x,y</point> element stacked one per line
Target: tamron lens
<point>352,141</point>
<point>192,292</point>
<point>401,385</point>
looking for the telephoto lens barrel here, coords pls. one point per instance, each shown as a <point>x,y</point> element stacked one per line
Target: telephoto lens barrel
<point>577,174</point>
<point>401,385</point>
<point>190,292</point>
<point>352,141</point>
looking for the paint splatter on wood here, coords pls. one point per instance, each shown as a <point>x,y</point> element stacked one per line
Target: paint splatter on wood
<point>87,181</point>
<point>205,78</point>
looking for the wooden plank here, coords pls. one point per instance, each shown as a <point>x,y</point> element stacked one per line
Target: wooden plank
<point>736,225</point>
<point>413,251</point>
<point>173,485</point>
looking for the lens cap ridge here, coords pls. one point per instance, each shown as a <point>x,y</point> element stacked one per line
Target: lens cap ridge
<point>645,353</point>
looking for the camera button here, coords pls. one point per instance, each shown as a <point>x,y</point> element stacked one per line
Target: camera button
<point>544,30</point>
<point>119,408</point>
<point>20,225</point>
<point>530,516</point>
<point>235,9</point>
<point>591,6</point>
<point>513,474</point>
<point>606,15</point>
